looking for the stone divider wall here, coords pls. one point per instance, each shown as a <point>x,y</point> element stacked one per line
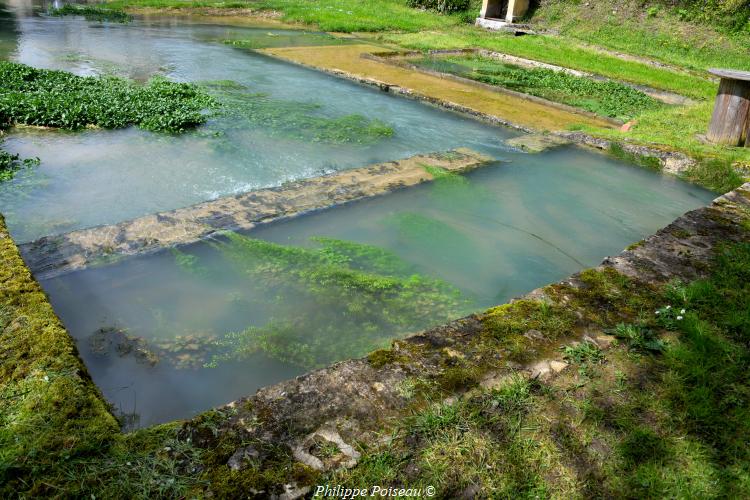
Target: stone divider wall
<point>54,255</point>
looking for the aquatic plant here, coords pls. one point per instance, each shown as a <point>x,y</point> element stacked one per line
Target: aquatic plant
<point>295,39</point>
<point>189,263</point>
<point>335,300</point>
<point>303,121</point>
<point>10,164</point>
<point>92,13</point>
<point>60,99</point>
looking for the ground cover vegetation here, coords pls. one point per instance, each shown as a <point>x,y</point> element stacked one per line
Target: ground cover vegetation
<point>606,98</point>
<point>49,98</point>
<point>92,13</point>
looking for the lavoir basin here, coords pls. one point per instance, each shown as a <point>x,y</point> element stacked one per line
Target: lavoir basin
<point>170,334</point>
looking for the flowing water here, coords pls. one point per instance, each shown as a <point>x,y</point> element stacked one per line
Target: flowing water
<point>107,176</point>
<point>171,334</point>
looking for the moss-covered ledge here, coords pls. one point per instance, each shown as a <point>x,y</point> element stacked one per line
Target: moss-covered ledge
<point>329,426</point>
<point>50,409</point>
<point>57,435</point>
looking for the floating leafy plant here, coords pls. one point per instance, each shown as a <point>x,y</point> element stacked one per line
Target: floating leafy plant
<point>60,99</point>
<point>10,164</point>
<point>336,300</point>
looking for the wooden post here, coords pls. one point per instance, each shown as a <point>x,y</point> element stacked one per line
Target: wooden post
<point>729,121</point>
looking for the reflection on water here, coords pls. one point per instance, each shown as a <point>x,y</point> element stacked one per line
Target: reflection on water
<point>299,302</point>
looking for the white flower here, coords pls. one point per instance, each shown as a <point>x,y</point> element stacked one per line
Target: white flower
<point>669,307</point>
<point>679,318</point>
<point>682,311</point>
<point>46,378</point>
<point>658,313</point>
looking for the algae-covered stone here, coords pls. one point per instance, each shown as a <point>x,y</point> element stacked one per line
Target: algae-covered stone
<point>537,143</point>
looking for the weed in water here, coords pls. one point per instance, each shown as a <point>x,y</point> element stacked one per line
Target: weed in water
<point>339,300</point>
<point>606,98</point>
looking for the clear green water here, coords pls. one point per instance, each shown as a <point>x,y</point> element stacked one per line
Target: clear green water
<point>168,335</point>
<point>473,242</point>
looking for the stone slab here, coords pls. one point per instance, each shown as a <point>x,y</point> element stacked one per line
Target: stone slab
<point>54,255</point>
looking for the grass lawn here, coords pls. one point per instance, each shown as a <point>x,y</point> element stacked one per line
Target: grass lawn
<point>329,15</point>
<point>560,51</point>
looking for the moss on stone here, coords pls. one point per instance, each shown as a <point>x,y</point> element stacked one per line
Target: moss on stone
<point>382,357</point>
<point>50,410</point>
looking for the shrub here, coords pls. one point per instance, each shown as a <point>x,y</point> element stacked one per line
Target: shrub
<point>444,6</point>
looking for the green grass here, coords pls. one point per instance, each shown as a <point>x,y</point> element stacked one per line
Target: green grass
<point>659,33</point>
<point>680,128</point>
<point>561,51</point>
<point>328,15</point>
<point>610,99</point>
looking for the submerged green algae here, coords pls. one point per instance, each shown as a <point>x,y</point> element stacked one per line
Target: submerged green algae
<point>334,300</point>
<point>303,121</point>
